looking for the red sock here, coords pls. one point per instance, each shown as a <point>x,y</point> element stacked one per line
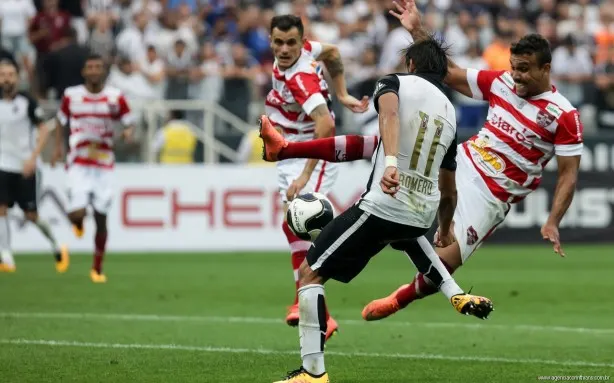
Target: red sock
<point>418,288</point>
<point>332,149</point>
<point>298,249</point>
<point>100,242</point>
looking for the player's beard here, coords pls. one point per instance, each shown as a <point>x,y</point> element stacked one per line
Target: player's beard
<point>8,89</point>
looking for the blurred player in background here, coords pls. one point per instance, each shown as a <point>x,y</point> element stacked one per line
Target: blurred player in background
<point>299,105</point>
<point>529,122</point>
<point>19,114</point>
<point>91,111</point>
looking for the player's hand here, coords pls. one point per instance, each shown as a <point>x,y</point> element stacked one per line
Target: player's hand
<point>296,186</point>
<point>550,232</point>
<point>354,104</point>
<point>57,156</point>
<point>390,180</point>
<point>29,168</point>
<point>407,13</point>
<point>444,240</point>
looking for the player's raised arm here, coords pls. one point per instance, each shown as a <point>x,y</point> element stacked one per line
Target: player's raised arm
<point>331,57</point>
<point>36,114</point>
<point>568,146</point>
<point>409,16</point>
<point>386,99</point>
<point>447,202</point>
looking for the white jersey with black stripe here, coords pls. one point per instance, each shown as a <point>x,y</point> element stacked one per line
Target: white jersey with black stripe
<point>427,142</point>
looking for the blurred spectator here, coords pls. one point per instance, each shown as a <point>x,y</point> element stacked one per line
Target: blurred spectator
<point>64,65</point>
<point>101,39</point>
<point>605,98</point>
<point>134,86</point>
<point>604,35</point>
<point>47,31</point>
<point>15,16</point>
<point>206,77</point>
<point>152,69</point>
<point>238,74</point>
<point>457,33</point>
<point>131,41</point>
<point>497,54</point>
<point>572,68</point>
<point>175,142</point>
<point>470,113</point>
<point>179,62</point>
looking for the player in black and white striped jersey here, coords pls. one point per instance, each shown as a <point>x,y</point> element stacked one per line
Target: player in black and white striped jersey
<point>19,113</point>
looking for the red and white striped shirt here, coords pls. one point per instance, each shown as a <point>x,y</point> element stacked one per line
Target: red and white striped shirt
<point>296,92</point>
<point>520,135</point>
<point>92,118</point>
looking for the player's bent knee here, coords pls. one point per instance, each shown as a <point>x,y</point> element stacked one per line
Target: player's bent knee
<point>307,276</point>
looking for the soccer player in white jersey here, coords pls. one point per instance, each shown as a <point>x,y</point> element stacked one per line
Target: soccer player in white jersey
<point>91,112</point>
<point>298,105</point>
<point>529,122</point>
<point>415,165</point>
<point>19,114</point>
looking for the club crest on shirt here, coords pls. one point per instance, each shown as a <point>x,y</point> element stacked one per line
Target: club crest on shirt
<point>544,118</point>
<point>472,236</point>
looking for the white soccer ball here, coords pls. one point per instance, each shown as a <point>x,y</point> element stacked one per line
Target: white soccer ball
<point>308,214</point>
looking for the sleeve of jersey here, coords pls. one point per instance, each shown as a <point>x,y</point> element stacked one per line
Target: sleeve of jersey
<point>480,82</point>
<point>313,47</point>
<point>386,84</point>
<point>568,139</point>
<point>125,115</point>
<point>36,114</point>
<point>449,159</point>
<point>64,111</point>
<point>305,88</point>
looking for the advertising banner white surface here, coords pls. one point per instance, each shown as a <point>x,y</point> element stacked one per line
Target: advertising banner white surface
<point>181,208</point>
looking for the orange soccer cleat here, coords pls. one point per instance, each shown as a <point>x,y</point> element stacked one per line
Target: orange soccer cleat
<point>382,308</point>
<point>292,316</point>
<point>274,142</point>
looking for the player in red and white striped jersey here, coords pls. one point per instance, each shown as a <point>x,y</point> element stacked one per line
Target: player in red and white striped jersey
<point>91,111</point>
<point>529,122</point>
<point>298,105</point>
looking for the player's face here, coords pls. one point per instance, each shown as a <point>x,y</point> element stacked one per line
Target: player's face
<point>8,77</point>
<point>93,72</point>
<point>286,46</point>
<point>530,78</point>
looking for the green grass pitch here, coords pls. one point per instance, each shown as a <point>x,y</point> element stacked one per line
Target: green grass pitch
<point>218,318</point>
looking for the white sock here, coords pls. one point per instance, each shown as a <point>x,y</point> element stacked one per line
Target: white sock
<point>312,327</point>
<point>5,242</point>
<point>44,227</point>
<point>448,287</point>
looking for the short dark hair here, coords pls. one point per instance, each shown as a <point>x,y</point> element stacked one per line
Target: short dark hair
<point>93,56</point>
<point>533,43</point>
<point>429,56</point>
<point>286,22</point>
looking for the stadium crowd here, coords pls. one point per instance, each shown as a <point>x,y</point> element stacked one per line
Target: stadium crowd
<point>218,50</point>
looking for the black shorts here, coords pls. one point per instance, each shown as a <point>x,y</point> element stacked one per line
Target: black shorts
<point>14,188</point>
<point>346,245</point>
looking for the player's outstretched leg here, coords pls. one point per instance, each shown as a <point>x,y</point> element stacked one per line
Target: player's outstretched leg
<point>100,243</point>
<point>331,149</point>
<point>7,263</point>
<point>434,271</point>
<point>76,218</point>
<point>62,259</point>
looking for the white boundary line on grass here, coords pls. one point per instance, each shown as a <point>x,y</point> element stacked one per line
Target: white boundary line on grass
<point>175,347</point>
<point>257,320</point>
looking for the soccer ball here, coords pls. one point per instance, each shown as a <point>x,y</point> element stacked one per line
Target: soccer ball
<point>308,214</point>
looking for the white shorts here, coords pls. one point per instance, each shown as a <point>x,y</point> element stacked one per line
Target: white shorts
<point>478,213</point>
<point>88,185</point>
<point>321,181</point>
